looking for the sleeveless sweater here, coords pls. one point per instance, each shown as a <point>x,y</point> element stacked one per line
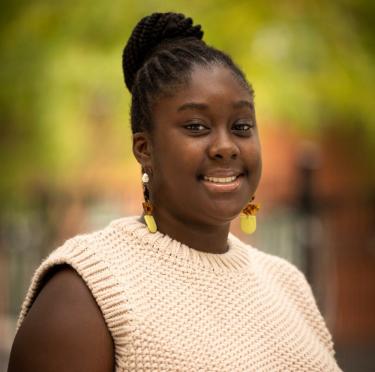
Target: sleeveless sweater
<point>169,307</point>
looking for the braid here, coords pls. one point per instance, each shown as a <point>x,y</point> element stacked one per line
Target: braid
<point>160,53</point>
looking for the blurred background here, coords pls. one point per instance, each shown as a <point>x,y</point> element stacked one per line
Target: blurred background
<point>65,144</point>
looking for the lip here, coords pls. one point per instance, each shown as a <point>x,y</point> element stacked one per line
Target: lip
<point>222,187</point>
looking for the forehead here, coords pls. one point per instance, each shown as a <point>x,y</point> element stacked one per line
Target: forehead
<point>213,80</point>
<point>211,85</point>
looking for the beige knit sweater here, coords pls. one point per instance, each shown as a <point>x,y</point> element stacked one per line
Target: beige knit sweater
<point>172,308</point>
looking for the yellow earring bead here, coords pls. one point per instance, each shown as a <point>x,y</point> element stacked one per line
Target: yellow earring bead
<point>150,222</point>
<point>148,217</point>
<point>248,220</point>
<point>248,223</point>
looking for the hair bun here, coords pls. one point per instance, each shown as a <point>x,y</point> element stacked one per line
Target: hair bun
<point>149,33</point>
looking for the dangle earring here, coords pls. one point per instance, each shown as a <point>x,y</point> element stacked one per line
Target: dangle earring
<point>147,206</point>
<point>247,217</point>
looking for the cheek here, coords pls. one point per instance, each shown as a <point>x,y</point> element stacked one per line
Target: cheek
<point>176,162</point>
<point>257,159</point>
<point>251,153</point>
<point>253,157</point>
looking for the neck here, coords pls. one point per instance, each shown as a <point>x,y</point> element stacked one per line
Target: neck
<point>205,238</point>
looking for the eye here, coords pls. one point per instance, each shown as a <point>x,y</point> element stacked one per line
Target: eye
<point>196,128</point>
<point>243,128</point>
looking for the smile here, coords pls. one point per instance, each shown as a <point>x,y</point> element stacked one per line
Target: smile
<point>221,184</point>
<point>220,179</point>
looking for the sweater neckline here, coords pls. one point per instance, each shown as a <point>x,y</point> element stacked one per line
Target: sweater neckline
<point>235,258</point>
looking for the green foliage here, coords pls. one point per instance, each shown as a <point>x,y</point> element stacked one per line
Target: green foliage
<point>63,101</point>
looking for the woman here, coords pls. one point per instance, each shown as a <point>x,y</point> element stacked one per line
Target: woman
<point>173,290</point>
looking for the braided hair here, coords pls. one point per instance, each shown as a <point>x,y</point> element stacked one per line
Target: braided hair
<point>159,56</point>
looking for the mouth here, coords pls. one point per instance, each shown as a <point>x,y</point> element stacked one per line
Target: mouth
<point>222,180</point>
<point>218,184</point>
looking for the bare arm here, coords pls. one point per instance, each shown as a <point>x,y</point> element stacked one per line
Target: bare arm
<point>63,331</point>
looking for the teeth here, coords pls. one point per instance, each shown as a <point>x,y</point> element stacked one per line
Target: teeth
<point>220,179</point>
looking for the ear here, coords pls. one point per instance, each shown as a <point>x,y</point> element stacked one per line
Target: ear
<point>142,149</point>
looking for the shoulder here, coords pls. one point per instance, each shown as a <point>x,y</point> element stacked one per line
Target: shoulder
<point>278,273</point>
<point>268,266</point>
<point>284,275</point>
<point>64,329</point>
<point>67,308</point>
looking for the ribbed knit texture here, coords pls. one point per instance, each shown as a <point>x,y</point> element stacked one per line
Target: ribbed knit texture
<point>172,308</point>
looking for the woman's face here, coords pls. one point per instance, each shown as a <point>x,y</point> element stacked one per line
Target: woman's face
<point>204,149</point>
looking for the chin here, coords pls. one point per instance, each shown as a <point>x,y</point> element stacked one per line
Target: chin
<point>225,213</point>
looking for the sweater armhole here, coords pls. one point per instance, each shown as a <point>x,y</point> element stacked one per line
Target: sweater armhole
<point>312,312</point>
<point>103,285</point>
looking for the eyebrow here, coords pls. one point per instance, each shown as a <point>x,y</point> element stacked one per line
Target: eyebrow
<point>244,103</point>
<point>203,106</point>
<point>193,106</point>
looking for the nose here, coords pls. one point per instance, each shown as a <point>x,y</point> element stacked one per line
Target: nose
<point>222,147</point>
